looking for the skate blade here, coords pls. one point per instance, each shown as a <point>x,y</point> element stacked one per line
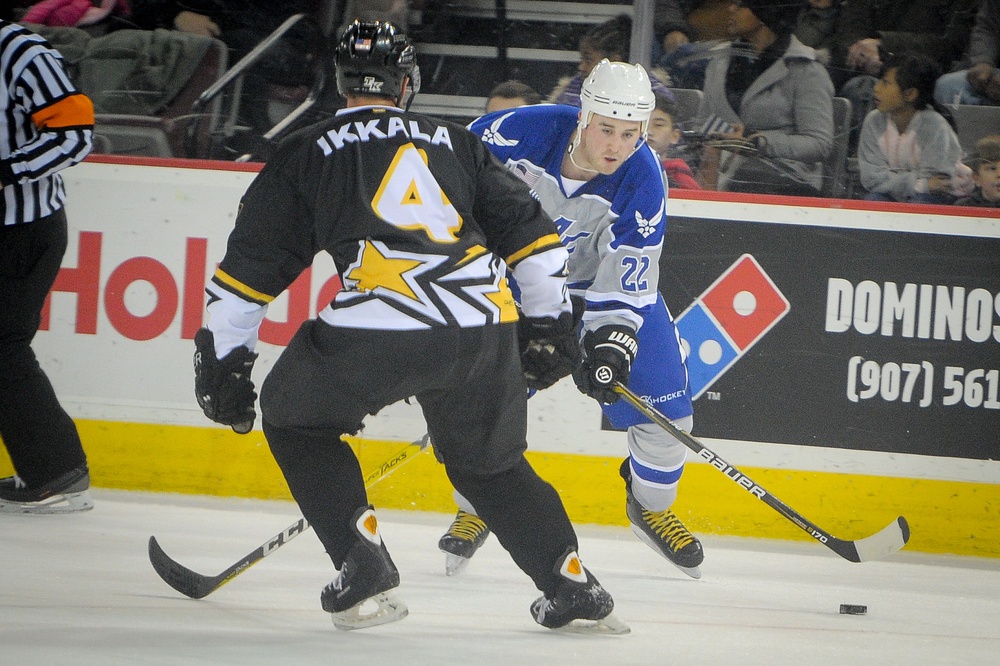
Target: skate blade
<point>694,572</point>
<point>609,625</point>
<point>454,564</point>
<point>390,608</point>
<point>68,503</point>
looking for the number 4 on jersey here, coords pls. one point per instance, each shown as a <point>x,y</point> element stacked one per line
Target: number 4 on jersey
<point>410,198</point>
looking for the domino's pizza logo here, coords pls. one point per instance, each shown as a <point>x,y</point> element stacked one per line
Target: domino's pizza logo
<point>729,318</point>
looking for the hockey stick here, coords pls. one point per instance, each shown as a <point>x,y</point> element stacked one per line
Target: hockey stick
<point>883,543</point>
<point>196,585</point>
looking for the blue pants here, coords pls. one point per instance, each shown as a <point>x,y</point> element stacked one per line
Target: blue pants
<point>659,373</point>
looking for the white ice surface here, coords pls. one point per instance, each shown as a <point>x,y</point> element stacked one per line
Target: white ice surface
<point>79,589</point>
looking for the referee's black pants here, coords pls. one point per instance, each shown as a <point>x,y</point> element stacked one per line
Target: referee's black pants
<point>39,435</point>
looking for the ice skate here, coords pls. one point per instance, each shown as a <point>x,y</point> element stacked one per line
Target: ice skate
<point>364,593</point>
<point>67,493</point>
<point>580,604</point>
<point>467,533</point>
<point>663,531</point>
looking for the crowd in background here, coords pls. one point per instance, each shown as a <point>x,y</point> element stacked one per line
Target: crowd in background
<point>902,64</point>
<point>768,71</point>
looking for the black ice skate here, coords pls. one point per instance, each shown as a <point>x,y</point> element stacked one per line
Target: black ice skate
<point>663,531</point>
<point>66,493</point>
<point>467,533</point>
<point>580,604</point>
<point>367,577</point>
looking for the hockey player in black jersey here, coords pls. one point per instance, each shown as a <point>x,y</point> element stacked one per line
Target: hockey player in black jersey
<point>422,223</point>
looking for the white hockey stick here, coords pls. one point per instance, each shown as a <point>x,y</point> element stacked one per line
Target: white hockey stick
<point>883,543</point>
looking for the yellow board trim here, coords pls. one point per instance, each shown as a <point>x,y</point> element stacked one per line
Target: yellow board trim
<point>944,516</point>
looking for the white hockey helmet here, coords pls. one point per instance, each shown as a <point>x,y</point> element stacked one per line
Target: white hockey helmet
<point>617,90</point>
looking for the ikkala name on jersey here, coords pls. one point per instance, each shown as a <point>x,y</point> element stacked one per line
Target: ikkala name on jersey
<point>395,126</point>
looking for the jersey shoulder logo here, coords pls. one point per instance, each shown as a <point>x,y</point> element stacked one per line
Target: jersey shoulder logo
<point>647,227</point>
<point>492,134</point>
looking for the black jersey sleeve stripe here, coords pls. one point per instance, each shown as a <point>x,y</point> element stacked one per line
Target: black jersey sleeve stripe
<point>232,285</point>
<point>540,245</point>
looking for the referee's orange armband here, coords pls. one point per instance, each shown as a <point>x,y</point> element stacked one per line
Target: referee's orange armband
<point>75,111</point>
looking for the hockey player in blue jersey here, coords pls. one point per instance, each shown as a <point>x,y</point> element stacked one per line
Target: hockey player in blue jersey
<point>605,189</point>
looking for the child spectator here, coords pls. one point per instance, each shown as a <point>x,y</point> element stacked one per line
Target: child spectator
<point>610,40</point>
<point>907,150</point>
<point>869,31</point>
<point>985,164</point>
<point>663,137</point>
<point>510,94</point>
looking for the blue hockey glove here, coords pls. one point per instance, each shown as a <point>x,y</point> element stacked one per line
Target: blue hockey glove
<point>223,388</point>
<point>608,355</point>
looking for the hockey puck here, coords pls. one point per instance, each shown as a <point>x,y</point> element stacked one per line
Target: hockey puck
<point>849,609</point>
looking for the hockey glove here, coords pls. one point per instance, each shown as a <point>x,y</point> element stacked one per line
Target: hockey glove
<point>224,389</point>
<point>608,355</point>
<point>549,347</point>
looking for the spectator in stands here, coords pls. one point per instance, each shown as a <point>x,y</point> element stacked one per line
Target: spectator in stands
<point>663,137</point>
<point>816,26</point>
<point>868,31</point>
<point>978,82</point>
<point>679,22</point>
<point>777,101</point>
<point>610,40</point>
<point>908,151</point>
<point>510,94</point>
<point>685,31</point>
<point>242,25</point>
<point>688,30</point>
<point>985,165</point>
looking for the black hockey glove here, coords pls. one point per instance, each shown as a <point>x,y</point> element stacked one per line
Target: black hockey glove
<point>224,389</point>
<point>549,347</point>
<point>608,355</point>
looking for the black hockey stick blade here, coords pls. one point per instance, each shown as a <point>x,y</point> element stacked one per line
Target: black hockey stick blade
<point>883,543</point>
<point>197,586</point>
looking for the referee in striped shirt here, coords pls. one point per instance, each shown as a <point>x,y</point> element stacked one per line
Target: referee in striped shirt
<point>46,125</point>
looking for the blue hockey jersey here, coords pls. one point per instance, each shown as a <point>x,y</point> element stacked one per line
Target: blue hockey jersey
<point>612,225</point>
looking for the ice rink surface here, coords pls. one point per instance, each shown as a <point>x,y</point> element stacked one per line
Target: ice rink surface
<point>79,589</point>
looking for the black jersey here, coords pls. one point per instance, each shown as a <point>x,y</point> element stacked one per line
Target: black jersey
<point>417,214</point>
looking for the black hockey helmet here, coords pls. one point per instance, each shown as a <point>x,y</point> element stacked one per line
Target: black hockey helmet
<point>375,58</point>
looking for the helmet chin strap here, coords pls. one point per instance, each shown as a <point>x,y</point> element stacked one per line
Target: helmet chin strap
<point>576,142</point>
<point>572,147</point>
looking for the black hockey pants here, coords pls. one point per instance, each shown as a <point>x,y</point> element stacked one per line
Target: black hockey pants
<point>470,387</point>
